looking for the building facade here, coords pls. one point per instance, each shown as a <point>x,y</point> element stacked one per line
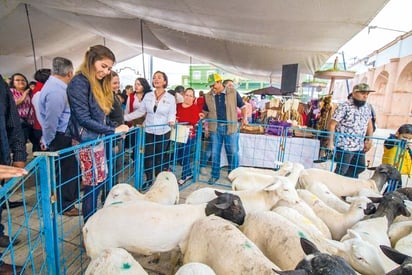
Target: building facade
<point>388,71</point>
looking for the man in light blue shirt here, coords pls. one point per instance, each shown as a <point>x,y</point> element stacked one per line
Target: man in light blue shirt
<point>54,117</point>
<point>53,105</point>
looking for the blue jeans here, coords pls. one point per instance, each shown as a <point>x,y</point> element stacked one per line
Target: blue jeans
<point>231,146</point>
<point>205,156</point>
<point>349,163</point>
<point>3,200</point>
<point>185,150</point>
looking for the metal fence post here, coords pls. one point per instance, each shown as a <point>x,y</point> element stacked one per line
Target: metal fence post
<point>47,203</point>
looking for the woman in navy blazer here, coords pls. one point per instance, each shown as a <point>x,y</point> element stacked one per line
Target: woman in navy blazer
<point>91,99</point>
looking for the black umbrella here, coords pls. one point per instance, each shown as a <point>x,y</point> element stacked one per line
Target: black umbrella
<point>267,91</point>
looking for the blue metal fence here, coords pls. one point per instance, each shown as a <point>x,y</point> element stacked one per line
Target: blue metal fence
<point>51,242</point>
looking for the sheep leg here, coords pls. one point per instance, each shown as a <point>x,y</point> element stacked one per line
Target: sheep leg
<point>176,260</point>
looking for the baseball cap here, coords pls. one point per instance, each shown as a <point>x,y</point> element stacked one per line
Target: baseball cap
<point>213,78</point>
<point>362,87</point>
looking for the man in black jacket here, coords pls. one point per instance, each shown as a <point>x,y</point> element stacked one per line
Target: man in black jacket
<point>11,143</point>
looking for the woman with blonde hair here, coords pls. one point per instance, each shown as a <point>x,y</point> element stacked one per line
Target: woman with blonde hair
<point>90,97</point>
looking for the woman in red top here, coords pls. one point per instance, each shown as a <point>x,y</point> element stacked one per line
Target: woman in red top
<point>187,112</point>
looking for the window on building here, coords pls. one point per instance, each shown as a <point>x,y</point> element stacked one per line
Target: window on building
<point>196,75</point>
<point>209,73</point>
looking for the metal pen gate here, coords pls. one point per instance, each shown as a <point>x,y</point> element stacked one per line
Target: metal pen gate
<point>51,243</point>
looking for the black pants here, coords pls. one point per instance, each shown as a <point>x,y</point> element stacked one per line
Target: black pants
<point>349,163</point>
<point>66,173</point>
<point>32,135</point>
<point>156,155</point>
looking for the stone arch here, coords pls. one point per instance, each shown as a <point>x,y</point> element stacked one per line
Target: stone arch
<point>404,82</point>
<point>381,82</point>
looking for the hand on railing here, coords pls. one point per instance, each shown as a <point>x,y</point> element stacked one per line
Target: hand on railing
<point>7,172</point>
<point>122,129</point>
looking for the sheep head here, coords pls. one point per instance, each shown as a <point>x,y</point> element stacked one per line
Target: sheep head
<point>391,205</point>
<point>360,254</point>
<point>383,173</point>
<point>319,263</point>
<point>227,206</point>
<point>122,192</point>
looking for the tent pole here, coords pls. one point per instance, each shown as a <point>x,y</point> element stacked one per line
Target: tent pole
<point>31,37</point>
<point>142,46</point>
<point>344,67</point>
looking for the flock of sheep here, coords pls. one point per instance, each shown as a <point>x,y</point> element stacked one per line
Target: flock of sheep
<point>290,221</point>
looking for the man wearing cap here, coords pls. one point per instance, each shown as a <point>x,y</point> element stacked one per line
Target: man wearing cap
<point>352,121</point>
<point>220,104</point>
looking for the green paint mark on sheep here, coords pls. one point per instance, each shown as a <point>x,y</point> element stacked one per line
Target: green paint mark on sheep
<point>126,266</point>
<point>247,245</point>
<point>116,202</point>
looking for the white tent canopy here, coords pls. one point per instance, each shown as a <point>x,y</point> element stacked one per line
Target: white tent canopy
<point>249,38</point>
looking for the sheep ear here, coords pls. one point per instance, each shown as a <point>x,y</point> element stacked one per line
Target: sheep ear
<point>338,246</point>
<point>348,199</point>
<point>291,272</point>
<point>353,234</point>
<point>404,211</point>
<point>393,254</point>
<point>308,247</point>
<point>272,186</point>
<point>218,193</point>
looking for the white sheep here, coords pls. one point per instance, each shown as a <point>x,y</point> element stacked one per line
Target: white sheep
<point>276,237</point>
<point>361,255</point>
<point>258,181</point>
<point>242,171</point>
<point>399,230</point>
<point>337,222</point>
<point>324,194</point>
<point>374,231</point>
<point>337,184</point>
<point>302,207</point>
<point>302,222</point>
<point>146,227</point>
<point>164,190</point>
<point>345,186</point>
<point>122,192</point>
<point>253,200</point>
<point>195,269</point>
<point>220,245</point>
<point>404,245</point>
<point>115,261</point>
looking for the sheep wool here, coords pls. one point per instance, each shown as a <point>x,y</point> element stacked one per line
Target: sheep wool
<point>115,261</point>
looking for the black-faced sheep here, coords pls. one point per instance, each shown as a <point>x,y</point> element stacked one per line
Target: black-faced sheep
<point>146,227</point>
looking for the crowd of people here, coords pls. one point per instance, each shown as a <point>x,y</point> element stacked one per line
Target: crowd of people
<point>66,107</point>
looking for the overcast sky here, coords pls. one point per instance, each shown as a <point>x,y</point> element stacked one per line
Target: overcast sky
<point>395,15</point>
